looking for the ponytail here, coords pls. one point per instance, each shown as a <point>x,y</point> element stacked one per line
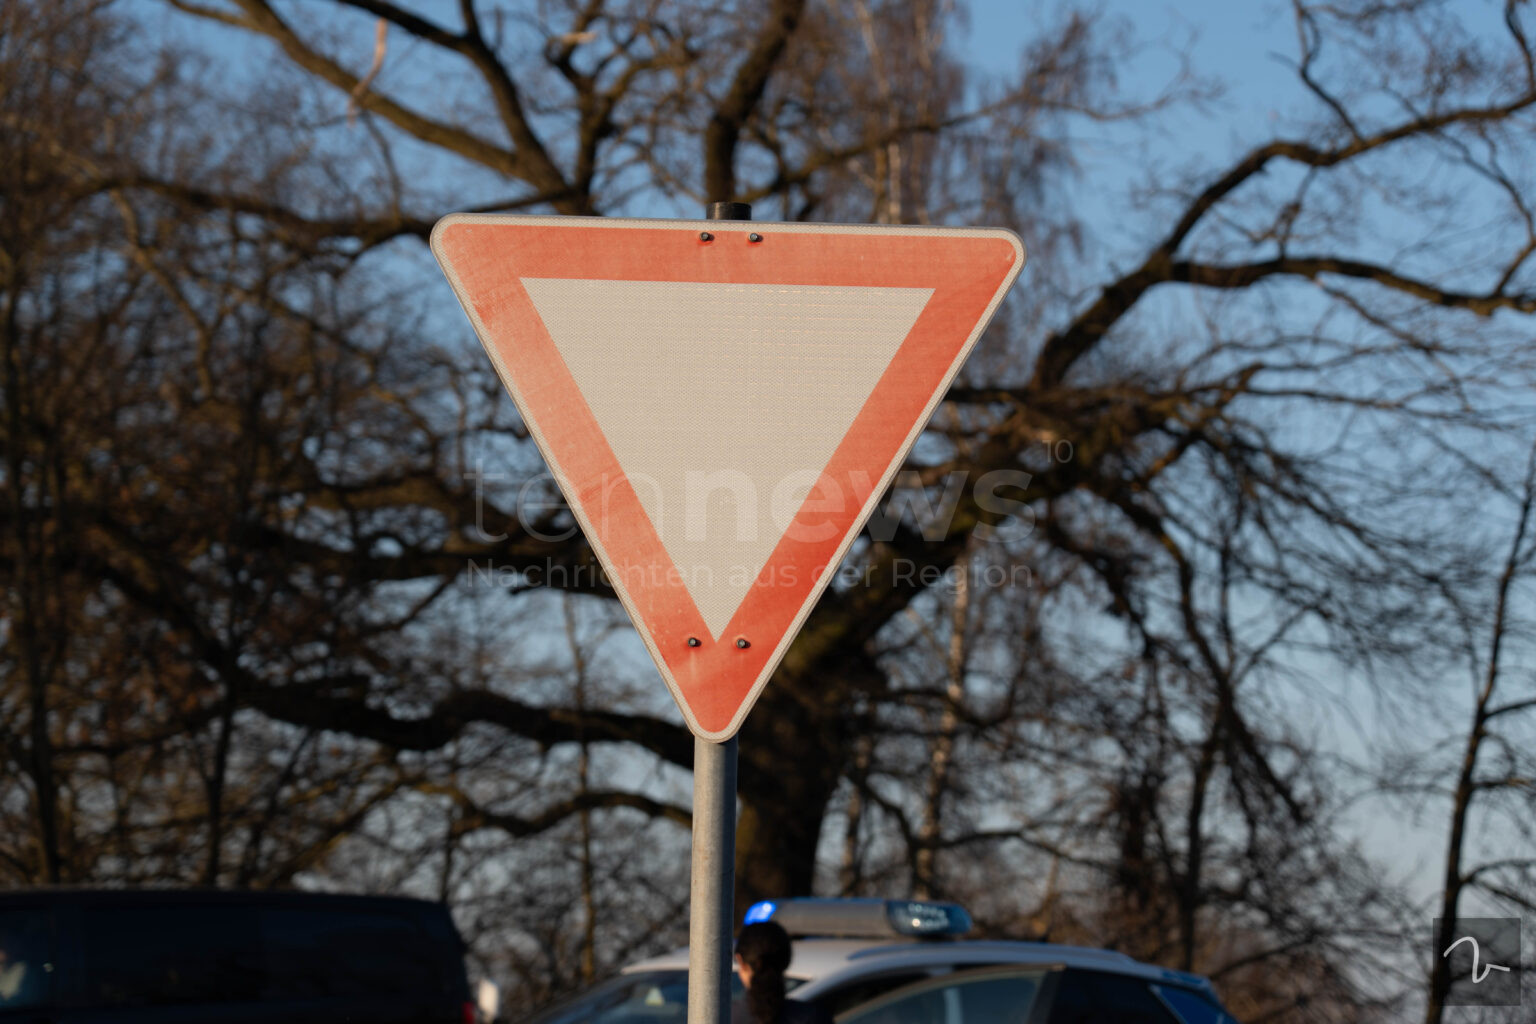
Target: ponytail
<point>765,949</point>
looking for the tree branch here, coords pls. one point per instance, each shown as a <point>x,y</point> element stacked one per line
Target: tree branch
<point>741,99</point>
<point>262,19</point>
<point>1063,349</point>
<point>474,817</point>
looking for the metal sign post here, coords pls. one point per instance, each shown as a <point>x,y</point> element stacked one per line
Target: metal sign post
<point>710,905</point>
<point>714,863</point>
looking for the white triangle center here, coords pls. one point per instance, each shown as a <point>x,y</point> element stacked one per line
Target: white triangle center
<point>723,403</point>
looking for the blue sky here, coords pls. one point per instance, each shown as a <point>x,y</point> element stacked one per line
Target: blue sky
<point>1247,46</point>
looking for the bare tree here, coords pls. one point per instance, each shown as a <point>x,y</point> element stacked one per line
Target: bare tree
<point>249,591</point>
<point>1496,766</point>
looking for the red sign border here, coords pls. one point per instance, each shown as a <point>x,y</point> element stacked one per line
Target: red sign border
<point>485,256</point>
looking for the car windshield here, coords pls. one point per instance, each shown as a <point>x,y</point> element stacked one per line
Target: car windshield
<point>1192,1007</point>
<point>658,996</point>
<point>655,997</point>
<point>985,996</point>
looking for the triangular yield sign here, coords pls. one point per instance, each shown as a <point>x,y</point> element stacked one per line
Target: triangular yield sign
<point>722,404</point>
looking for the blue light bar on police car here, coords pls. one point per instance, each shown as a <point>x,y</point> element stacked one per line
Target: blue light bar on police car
<point>863,918</point>
<point>757,913</point>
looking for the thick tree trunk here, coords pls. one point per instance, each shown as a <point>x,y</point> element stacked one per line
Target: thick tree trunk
<point>32,576</point>
<point>792,757</point>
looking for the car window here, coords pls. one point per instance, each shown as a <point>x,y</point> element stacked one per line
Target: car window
<point>165,955</point>
<point>991,996</point>
<point>25,959</point>
<point>1099,997</point>
<point>1192,1007</point>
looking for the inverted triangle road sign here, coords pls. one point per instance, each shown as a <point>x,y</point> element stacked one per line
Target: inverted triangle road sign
<point>722,404</point>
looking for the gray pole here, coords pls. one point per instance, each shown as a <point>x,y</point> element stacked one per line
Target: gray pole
<point>710,912</point>
<point>714,871</point>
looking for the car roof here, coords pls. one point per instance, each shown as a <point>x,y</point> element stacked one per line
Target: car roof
<point>825,963</point>
<point>811,958</point>
<point>151,898</point>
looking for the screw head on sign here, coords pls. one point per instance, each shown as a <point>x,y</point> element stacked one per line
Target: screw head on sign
<point>705,236</point>
<point>693,641</point>
<point>754,237</point>
<point>741,642</point>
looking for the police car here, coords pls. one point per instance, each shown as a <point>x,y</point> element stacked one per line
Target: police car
<point>866,962</point>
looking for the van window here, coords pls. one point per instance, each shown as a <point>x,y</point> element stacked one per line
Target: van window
<point>170,954</point>
<point>317,954</point>
<point>25,959</point>
<point>231,952</point>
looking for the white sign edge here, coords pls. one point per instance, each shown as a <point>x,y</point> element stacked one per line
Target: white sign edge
<point>819,587</point>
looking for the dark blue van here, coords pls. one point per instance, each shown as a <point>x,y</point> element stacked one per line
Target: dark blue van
<point>80,956</point>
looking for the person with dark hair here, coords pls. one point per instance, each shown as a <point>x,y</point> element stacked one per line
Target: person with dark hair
<point>762,957</point>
